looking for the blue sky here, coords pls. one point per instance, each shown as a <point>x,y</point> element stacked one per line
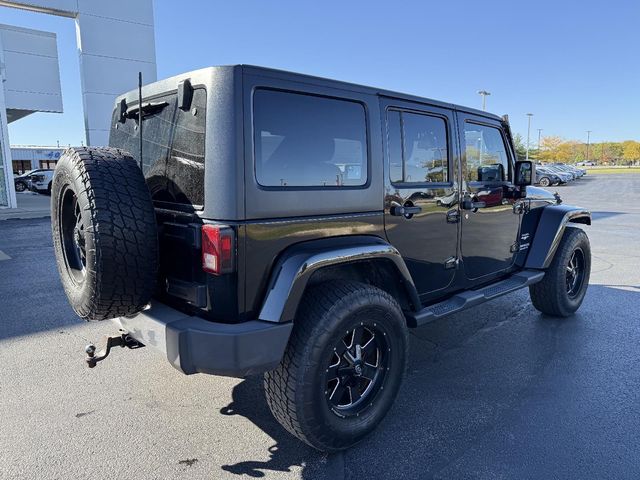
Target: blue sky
<point>574,65</point>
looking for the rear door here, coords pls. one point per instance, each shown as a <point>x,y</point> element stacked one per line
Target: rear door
<point>489,225</point>
<point>421,191</point>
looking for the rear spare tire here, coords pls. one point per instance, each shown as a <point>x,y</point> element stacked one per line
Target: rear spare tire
<point>104,232</point>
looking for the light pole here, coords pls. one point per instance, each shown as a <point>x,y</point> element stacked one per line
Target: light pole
<point>528,134</point>
<point>588,139</point>
<point>539,132</point>
<point>484,94</point>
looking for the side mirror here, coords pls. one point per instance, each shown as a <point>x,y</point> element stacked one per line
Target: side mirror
<point>525,173</point>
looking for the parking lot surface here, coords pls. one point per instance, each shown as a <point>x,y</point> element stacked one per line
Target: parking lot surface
<point>494,392</point>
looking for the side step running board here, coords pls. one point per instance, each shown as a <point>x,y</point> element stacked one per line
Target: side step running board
<point>470,298</point>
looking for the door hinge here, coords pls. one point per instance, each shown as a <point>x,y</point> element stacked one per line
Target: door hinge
<point>451,262</point>
<point>515,247</point>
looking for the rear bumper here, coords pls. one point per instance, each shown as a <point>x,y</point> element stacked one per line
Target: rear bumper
<point>194,345</point>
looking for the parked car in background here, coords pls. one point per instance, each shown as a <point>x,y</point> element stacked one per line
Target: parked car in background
<point>560,176</point>
<point>586,164</point>
<point>577,172</point>
<point>565,176</point>
<point>546,178</point>
<point>23,182</point>
<point>41,181</point>
<point>564,168</point>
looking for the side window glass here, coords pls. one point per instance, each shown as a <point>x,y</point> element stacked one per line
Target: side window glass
<point>309,141</point>
<point>486,155</point>
<point>418,150</point>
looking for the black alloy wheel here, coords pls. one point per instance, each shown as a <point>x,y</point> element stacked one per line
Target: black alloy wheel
<point>575,273</point>
<point>356,370</point>
<point>73,236</point>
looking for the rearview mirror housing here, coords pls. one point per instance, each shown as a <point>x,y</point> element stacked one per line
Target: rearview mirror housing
<point>525,173</point>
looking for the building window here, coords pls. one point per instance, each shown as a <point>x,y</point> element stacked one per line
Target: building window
<point>21,166</point>
<point>50,164</point>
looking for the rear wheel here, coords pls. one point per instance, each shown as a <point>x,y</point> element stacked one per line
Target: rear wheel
<point>343,367</point>
<point>104,232</point>
<point>545,182</point>
<point>565,283</point>
<point>21,186</point>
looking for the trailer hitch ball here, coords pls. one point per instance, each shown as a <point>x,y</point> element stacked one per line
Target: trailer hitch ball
<point>107,342</point>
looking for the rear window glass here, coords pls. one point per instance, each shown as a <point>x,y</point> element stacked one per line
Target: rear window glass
<point>173,143</point>
<point>309,141</point>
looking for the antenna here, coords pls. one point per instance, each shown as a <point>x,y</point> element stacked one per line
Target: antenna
<point>140,114</point>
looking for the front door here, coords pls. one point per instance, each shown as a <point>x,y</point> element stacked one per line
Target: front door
<point>489,224</point>
<point>421,191</point>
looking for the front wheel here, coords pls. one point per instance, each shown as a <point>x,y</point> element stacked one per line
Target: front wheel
<point>562,290</point>
<point>545,182</point>
<point>20,186</point>
<point>343,366</point>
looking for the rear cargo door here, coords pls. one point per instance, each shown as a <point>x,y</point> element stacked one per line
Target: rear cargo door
<point>173,154</point>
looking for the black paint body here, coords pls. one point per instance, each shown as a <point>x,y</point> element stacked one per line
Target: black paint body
<point>446,247</point>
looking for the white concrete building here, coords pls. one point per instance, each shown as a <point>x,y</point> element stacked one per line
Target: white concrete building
<point>115,41</point>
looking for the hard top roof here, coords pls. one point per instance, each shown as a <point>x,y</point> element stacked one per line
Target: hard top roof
<point>171,83</point>
<point>301,77</point>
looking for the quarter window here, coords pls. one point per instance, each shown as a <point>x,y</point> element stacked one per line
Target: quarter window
<point>418,150</point>
<point>309,141</point>
<point>486,155</point>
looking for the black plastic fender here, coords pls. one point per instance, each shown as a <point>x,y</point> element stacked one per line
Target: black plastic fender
<point>553,221</point>
<point>298,263</point>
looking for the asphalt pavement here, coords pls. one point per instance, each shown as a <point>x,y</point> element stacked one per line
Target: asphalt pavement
<point>496,392</point>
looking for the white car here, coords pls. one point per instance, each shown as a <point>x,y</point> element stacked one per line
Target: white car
<point>41,181</point>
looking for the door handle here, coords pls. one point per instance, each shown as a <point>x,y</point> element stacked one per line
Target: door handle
<point>469,204</point>
<point>399,211</point>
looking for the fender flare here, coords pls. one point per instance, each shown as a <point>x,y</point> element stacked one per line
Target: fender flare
<point>551,226</point>
<point>295,267</point>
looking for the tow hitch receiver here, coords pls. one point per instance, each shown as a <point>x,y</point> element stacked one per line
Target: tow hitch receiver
<point>107,342</point>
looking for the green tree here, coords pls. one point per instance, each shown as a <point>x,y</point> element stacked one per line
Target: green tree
<point>521,148</point>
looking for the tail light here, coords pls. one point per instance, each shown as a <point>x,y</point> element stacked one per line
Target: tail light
<point>218,249</point>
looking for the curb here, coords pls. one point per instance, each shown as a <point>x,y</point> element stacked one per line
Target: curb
<point>25,215</point>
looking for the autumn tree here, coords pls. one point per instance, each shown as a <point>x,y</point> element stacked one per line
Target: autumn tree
<point>631,150</point>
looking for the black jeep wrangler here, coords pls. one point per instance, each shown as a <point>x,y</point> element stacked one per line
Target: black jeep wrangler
<point>245,220</point>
